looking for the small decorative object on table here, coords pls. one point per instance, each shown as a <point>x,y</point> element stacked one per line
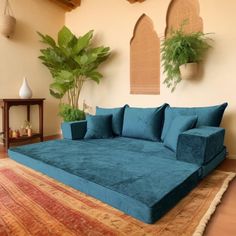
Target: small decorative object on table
<point>16,133</point>
<point>23,131</point>
<point>26,129</point>
<point>29,132</point>
<point>13,134</point>
<point>25,91</point>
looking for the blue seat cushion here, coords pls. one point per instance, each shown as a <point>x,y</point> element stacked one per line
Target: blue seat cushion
<point>117,117</point>
<point>178,125</point>
<point>98,127</point>
<point>141,185</point>
<point>200,145</point>
<point>207,116</point>
<point>143,123</point>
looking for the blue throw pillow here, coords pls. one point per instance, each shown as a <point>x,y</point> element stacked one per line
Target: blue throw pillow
<point>117,117</point>
<point>207,116</point>
<point>178,125</point>
<point>98,127</point>
<point>143,123</point>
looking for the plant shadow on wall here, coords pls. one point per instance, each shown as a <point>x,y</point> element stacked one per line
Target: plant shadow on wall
<point>181,53</point>
<point>72,61</point>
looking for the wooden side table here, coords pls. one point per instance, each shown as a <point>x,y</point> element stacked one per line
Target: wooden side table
<point>6,104</point>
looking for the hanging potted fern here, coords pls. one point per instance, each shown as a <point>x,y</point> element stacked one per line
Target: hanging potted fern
<point>181,53</point>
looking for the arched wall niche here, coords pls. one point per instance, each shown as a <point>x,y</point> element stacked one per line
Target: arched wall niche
<point>144,58</point>
<point>180,10</point>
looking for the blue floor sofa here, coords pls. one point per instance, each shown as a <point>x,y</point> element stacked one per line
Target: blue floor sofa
<point>141,161</point>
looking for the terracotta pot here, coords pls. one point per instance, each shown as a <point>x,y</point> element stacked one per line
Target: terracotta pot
<point>188,71</point>
<point>7,25</point>
<point>29,132</point>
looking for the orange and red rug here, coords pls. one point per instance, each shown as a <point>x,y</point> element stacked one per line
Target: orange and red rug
<point>34,204</point>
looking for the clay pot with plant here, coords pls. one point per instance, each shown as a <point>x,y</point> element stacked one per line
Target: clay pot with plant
<point>181,53</point>
<point>72,61</point>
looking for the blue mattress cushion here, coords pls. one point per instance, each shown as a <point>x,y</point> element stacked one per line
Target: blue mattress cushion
<point>178,125</point>
<point>98,127</point>
<point>143,123</point>
<point>200,145</point>
<point>141,179</point>
<point>74,129</point>
<point>117,117</point>
<point>207,116</point>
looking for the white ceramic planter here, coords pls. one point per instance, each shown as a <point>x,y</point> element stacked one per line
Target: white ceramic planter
<point>188,71</point>
<point>7,25</point>
<point>25,91</point>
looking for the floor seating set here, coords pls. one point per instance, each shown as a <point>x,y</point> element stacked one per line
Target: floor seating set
<point>142,161</point>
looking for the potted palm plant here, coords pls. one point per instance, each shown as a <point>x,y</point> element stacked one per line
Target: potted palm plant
<point>72,61</point>
<point>181,53</point>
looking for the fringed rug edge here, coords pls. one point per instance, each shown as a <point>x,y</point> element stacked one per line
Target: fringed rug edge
<point>216,201</point>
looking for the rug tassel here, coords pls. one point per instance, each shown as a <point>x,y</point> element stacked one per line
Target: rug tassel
<point>202,225</point>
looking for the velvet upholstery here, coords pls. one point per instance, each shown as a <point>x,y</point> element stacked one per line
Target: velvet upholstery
<point>143,123</point>
<point>200,145</point>
<point>178,126</point>
<point>74,130</point>
<point>140,177</point>
<point>99,127</point>
<point>144,181</point>
<point>207,116</point>
<point>117,117</point>
<point>211,165</point>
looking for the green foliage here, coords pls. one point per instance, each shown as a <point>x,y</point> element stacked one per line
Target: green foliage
<point>180,48</point>
<point>69,113</point>
<point>71,61</point>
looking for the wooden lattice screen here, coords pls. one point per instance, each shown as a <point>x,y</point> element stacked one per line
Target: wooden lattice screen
<point>144,58</point>
<point>180,10</point>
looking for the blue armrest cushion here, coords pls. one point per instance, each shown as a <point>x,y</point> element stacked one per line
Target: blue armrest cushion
<point>74,130</point>
<point>200,145</point>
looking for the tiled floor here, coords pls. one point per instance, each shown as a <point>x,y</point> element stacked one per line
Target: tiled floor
<point>223,222</point>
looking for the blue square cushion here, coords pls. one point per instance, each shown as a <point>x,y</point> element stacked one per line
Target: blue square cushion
<point>178,125</point>
<point>98,127</point>
<point>143,123</point>
<point>207,116</point>
<point>117,117</point>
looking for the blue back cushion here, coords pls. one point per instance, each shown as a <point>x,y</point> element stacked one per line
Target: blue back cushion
<point>117,117</point>
<point>143,123</point>
<point>207,116</point>
<point>178,125</point>
<point>98,127</point>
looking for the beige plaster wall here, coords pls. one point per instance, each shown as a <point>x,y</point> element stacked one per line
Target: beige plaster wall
<point>113,22</point>
<point>18,58</point>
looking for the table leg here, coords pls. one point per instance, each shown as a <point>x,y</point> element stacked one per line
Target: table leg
<point>41,121</point>
<point>28,112</point>
<point>3,125</point>
<point>6,124</point>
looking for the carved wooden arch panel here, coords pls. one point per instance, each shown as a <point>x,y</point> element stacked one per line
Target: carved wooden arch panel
<point>144,58</point>
<point>180,10</point>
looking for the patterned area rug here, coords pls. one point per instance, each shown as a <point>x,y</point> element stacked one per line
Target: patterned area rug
<point>33,204</point>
